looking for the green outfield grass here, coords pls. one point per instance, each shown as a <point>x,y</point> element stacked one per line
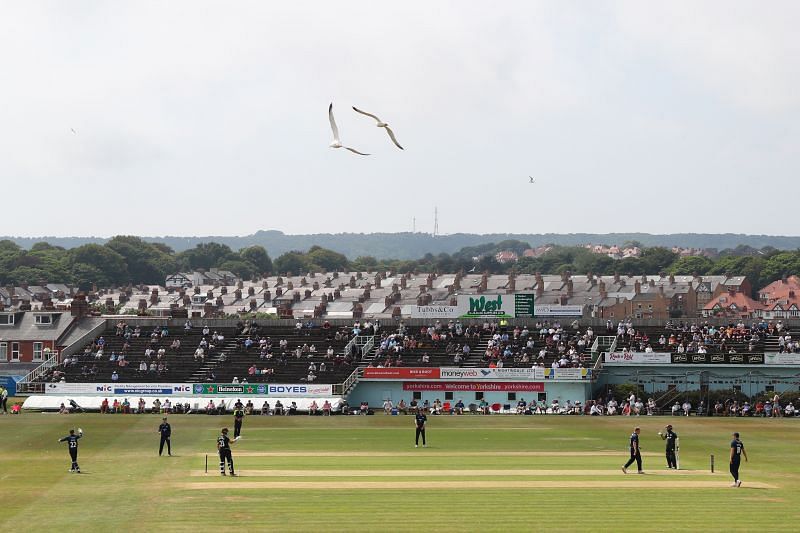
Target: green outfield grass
<point>364,474</point>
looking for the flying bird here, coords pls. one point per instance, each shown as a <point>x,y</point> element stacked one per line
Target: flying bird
<point>73,131</point>
<point>336,142</point>
<point>380,124</point>
<point>533,180</point>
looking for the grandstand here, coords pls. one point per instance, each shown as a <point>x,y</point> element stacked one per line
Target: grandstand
<point>222,362</point>
<point>331,326</point>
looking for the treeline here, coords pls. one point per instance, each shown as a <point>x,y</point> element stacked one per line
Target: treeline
<point>126,259</point>
<point>413,245</point>
<point>121,260</point>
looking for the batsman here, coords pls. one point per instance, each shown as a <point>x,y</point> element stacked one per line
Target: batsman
<point>673,448</point>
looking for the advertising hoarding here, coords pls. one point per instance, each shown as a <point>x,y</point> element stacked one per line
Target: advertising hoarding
<point>262,389</point>
<point>637,358</point>
<point>401,373</point>
<point>138,389</point>
<point>476,386</point>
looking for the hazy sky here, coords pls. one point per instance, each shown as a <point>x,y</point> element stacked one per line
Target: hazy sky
<point>197,118</point>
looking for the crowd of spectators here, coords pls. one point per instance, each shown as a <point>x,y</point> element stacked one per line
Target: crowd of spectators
<point>451,339</point>
<point>690,338</point>
<point>544,344</point>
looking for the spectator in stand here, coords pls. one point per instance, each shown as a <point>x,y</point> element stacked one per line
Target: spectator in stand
<point>459,407</point>
<point>104,406</point>
<point>521,406</point>
<point>313,408</point>
<point>265,408</point>
<point>687,407</point>
<point>746,409</point>
<point>483,407</point>
<point>200,354</point>
<point>638,406</point>
<point>114,376</point>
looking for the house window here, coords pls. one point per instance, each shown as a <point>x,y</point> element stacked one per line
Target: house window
<point>512,396</point>
<point>44,320</point>
<point>3,351</point>
<point>6,320</point>
<point>38,348</point>
<point>479,395</point>
<point>14,351</point>
<point>417,395</point>
<point>448,395</point>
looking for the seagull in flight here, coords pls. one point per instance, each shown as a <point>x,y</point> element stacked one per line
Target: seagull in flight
<point>73,131</point>
<point>336,142</point>
<point>380,124</point>
<point>533,180</point>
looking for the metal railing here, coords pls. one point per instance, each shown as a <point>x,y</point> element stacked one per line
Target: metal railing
<point>28,383</point>
<point>345,387</point>
<point>367,346</point>
<point>598,366</point>
<point>363,342</point>
<point>603,343</point>
<point>668,396</point>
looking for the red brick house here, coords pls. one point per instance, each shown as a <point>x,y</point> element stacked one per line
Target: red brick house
<point>27,336</point>
<point>734,305</point>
